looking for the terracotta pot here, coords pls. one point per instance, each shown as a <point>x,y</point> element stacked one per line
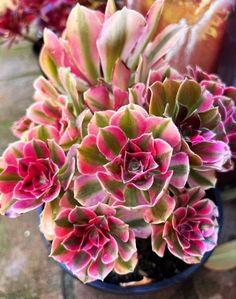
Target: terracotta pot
<point>202,41</point>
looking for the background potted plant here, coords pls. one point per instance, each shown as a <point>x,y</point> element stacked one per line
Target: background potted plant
<point>26,20</point>
<point>119,147</point>
<point>207,20</point>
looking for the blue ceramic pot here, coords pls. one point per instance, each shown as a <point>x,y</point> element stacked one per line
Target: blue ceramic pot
<point>214,194</point>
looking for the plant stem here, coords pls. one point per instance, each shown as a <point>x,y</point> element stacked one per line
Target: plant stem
<point>28,38</point>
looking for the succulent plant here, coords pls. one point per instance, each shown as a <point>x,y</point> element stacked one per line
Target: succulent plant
<point>92,242</point>
<point>199,119</point>
<point>133,156</point>
<point>191,229</point>
<point>116,146</point>
<point>223,98</point>
<point>105,60</point>
<point>30,175</point>
<point>52,115</point>
<point>18,18</point>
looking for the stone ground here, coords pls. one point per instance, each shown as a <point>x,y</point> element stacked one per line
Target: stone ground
<point>26,271</point>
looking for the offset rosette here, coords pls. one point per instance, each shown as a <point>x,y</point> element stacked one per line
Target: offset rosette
<point>52,115</point>
<point>130,155</point>
<point>224,98</point>
<point>92,242</point>
<point>31,174</point>
<point>191,229</point>
<point>194,111</point>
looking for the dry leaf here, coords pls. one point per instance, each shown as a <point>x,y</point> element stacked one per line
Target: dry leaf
<point>144,281</point>
<point>223,258</point>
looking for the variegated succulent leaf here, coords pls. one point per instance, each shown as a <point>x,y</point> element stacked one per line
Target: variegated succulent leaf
<point>93,49</point>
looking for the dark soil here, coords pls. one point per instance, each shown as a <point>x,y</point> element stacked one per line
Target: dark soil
<point>150,265</point>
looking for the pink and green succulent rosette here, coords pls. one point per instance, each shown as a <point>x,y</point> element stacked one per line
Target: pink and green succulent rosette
<point>32,173</point>
<point>190,227</point>
<point>92,241</point>
<point>118,146</point>
<point>203,125</point>
<point>132,156</point>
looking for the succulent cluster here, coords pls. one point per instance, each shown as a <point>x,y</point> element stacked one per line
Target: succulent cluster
<point>119,146</point>
<point>18,16</point>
